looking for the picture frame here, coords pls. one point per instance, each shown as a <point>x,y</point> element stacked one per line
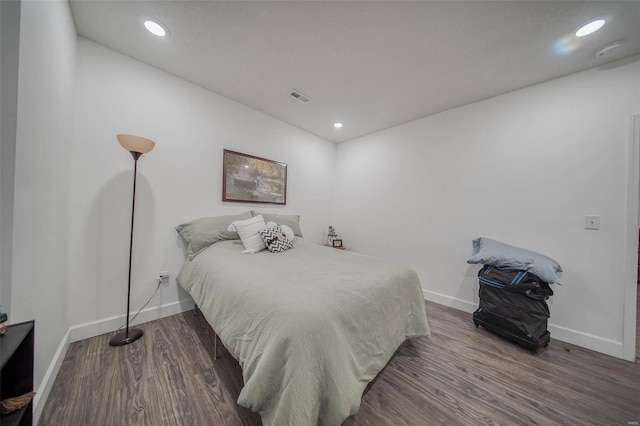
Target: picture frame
<point>337,242</point>
<point>250,179</point>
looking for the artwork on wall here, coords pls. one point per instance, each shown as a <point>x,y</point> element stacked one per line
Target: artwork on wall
<point>250,179</point>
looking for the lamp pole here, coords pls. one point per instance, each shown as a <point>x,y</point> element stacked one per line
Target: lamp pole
<point>131,143</point>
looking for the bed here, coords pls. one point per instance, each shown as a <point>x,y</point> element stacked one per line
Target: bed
<point>310,326</point>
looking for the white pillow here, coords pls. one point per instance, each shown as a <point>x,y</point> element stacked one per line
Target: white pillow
<point>286,230</point>
<point>249,232</point>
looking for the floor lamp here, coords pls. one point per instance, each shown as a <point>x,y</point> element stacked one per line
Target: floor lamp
<point>137,146</point>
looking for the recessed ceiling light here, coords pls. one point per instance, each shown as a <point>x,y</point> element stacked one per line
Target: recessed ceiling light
<point>590,28</point>
<point>337,125</point>
<point>155,28</point>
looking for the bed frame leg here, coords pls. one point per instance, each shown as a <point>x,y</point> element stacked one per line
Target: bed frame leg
<point>215,340</point>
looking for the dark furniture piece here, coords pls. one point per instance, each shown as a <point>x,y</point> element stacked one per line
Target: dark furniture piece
<point>513,304</point>
<point>16,370</point>
<point>532,345</point>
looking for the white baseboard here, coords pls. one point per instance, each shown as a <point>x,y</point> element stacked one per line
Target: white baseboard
<point>92,329</point>
<point>567,335</point>
<point>42,393</point>
<point>107,325</point>
<point>586,340</point>
<point>451,302</point>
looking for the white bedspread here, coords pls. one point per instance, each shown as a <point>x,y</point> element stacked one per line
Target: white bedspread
<point>310,327</point>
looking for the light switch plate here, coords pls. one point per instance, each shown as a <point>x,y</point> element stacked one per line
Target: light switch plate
<point>592,222</point>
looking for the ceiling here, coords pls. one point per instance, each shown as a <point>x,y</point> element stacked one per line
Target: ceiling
<point>369,65</point>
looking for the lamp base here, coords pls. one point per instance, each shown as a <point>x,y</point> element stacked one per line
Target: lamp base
<point>125,337</point>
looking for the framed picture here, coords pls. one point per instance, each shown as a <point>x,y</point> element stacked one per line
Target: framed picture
<point>250,179</point>
<point>337,243</point>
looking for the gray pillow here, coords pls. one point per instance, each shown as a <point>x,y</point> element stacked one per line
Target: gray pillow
<point>201,233</point>
<point>492,252</point>
<point>292,221</point>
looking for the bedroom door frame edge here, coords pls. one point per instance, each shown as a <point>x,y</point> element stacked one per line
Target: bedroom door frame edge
<point>631,241</point>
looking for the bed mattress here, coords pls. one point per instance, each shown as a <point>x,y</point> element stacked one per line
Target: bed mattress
<point>310,326</point>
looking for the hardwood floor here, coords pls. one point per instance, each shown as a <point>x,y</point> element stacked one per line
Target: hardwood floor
<point>460,376</point>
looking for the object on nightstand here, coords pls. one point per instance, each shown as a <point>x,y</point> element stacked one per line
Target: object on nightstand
<point>10,405</point>
<point>331,235</point>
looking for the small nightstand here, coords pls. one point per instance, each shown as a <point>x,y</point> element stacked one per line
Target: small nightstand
<point>339,248</point>
<point>16,369</point>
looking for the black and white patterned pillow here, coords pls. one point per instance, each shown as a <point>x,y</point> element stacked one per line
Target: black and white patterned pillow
<point>275,240</point>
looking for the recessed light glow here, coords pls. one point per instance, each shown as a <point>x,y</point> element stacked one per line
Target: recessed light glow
<point>155,28</point>
<point>590,28</point>
<point>337,125</point>
<point>566,45</point>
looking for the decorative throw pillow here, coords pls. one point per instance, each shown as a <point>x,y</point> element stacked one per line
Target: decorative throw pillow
<point>275,239</point>
<point>249,232</point>
<point>287,231</point>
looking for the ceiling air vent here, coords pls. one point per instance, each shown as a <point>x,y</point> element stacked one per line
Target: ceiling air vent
<point>299,96</point>
<point>611,49</point>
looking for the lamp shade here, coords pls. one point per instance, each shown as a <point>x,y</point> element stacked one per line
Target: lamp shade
<point>134,143</point>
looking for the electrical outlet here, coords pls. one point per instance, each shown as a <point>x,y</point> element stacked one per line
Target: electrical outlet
<point>164,277</point>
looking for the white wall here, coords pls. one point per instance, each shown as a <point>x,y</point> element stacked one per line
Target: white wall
<point>524,168</point>
<point>42,162</point>
<point>180,180</point>
<point>9,53</point>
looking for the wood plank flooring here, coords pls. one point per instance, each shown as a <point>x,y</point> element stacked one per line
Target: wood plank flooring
<point>460,376</point>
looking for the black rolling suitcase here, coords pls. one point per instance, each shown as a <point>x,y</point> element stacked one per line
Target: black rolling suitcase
<point>513,305</point>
